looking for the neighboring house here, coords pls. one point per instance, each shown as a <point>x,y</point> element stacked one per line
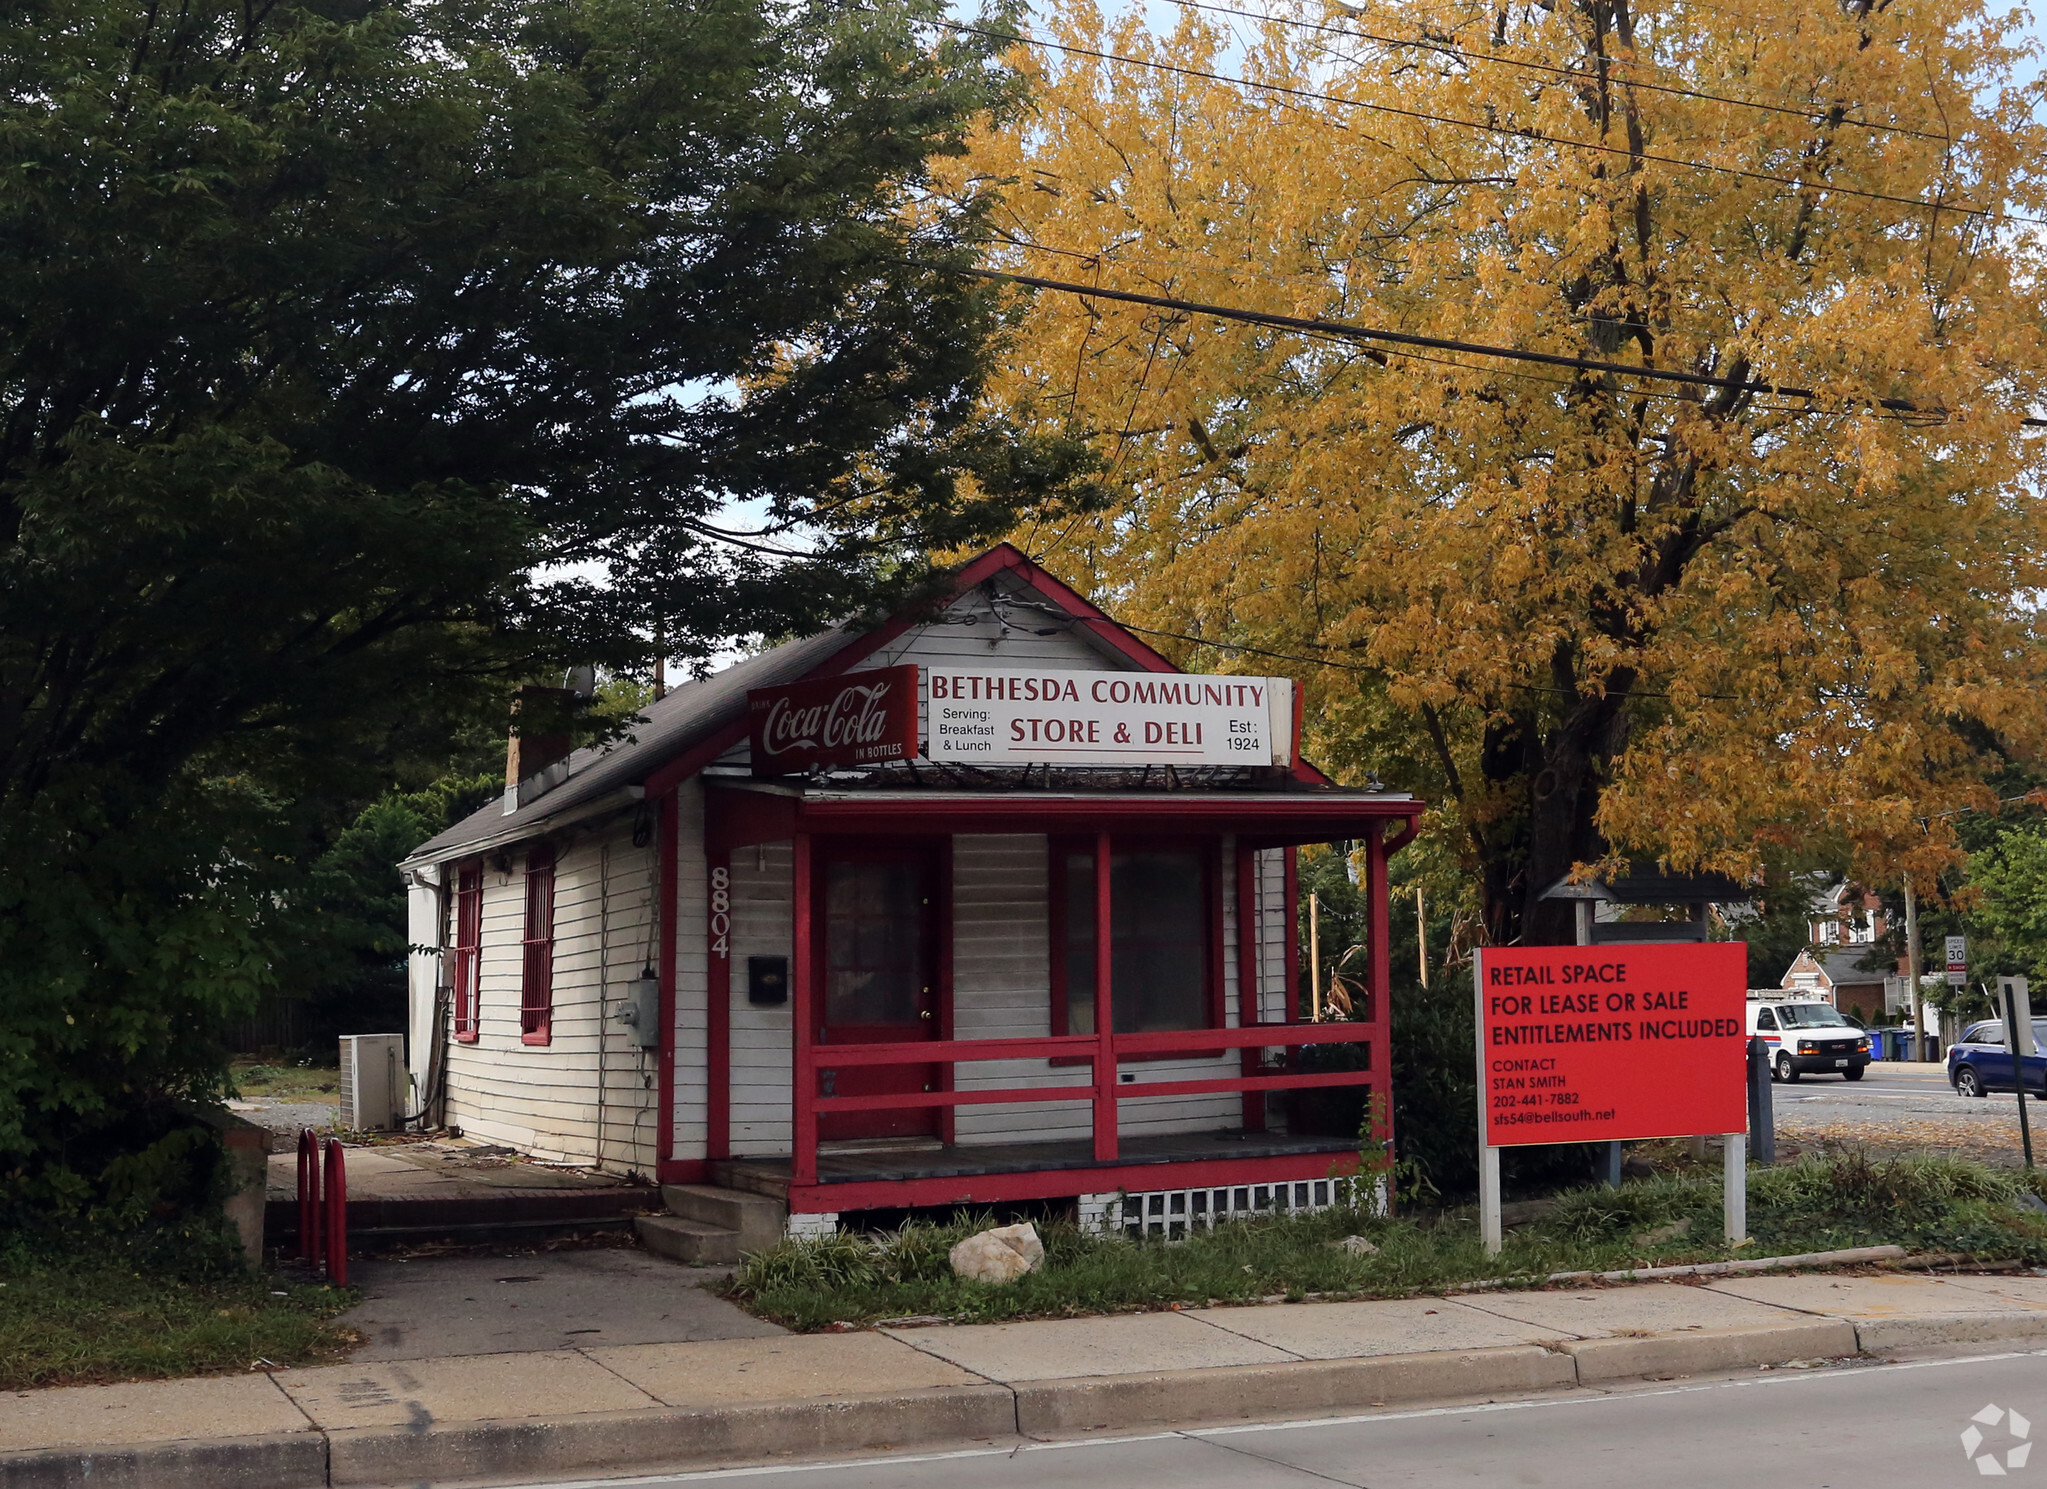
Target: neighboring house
<point>1846,914</point>
<point>880,983</point>
<point>1839,978</point>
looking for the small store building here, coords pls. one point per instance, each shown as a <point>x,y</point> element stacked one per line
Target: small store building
<point>986,904</point>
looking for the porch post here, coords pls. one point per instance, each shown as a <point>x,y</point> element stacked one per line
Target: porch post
<point>1105,1009</point>
<point>802,1017</point>
<point>1247,974</point>
<point>1379,958</point>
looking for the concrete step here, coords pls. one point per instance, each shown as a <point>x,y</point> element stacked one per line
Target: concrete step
<point>759,1221</point>
<point>690,1241</point>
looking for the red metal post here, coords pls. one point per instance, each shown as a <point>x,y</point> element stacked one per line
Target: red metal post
<point>337,1214</point>
<point>1248,1012</point>
<point>802,1019</point>
<point>311,1222</point>
<point>1105,1007</point>
<point>1379,954</point>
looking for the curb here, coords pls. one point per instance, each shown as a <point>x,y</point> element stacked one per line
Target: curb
<point>680,1438</point>
<point>285,1460</point>
<point>1057,1408</point>
<point>1704,1350</point>
<point>1882,1335</point>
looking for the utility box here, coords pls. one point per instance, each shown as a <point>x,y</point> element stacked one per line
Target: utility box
<point>641,1010</point>
<point>372,1082</point>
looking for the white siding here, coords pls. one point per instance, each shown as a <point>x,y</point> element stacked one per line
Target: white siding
<point>692,975</point>
<point>1002,988</point>
<point>544,1099</point>
<point>761,905</point>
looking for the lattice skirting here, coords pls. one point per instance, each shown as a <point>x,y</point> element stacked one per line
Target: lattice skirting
<point>1176,1213</point>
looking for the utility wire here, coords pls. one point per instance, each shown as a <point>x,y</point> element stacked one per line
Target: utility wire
<point>1343,330</point>
<point>1568,73</point>
<point>1504,131</point>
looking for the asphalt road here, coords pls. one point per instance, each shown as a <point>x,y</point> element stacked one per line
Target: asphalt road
<point>1906,1107</point>
<point>1893,1426</point>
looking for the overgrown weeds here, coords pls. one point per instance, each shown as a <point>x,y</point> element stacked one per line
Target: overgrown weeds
<point>150,1308</point>
<point>1813,1205</point>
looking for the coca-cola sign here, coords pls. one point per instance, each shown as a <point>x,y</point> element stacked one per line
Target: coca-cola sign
<point>861,718</point>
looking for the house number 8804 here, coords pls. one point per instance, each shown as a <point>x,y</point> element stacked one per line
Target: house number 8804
<point>721,911</point>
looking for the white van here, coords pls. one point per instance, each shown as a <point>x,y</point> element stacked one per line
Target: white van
<point>1808,1037</point>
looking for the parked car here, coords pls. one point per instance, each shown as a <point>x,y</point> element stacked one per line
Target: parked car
<point>1978,1063</point>
<point>1807,1038</point>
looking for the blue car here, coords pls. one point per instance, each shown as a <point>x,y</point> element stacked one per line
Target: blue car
<point>1978,1063</point>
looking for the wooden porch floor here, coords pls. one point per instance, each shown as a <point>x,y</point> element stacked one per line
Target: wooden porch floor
<point>770,1175</point>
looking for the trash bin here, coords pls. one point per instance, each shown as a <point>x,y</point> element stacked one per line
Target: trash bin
<point>1876,1044</point>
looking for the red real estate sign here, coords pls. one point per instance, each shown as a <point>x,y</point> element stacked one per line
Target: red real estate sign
<point>860,718</point>
<point>1611,1043</point>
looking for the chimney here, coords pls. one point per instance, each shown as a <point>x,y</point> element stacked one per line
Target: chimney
<point>528,756</point>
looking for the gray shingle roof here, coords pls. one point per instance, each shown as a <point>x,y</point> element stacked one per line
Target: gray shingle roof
<point>687,717</point>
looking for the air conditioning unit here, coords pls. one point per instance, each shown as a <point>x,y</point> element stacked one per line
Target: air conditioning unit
<point>372,1080</point>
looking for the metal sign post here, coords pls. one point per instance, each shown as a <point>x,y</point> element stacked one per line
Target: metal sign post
<point>2018,1038</point>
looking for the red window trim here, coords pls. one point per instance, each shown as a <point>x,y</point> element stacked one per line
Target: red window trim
<point>536,951</point>
<point>467,947</point>
<point>1211,850</point>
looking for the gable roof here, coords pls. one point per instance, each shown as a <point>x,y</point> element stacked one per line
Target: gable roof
<point>700,720</point>
<point>1843,967</point>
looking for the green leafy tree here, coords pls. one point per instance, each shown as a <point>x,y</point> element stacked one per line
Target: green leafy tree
<point>325,326</point>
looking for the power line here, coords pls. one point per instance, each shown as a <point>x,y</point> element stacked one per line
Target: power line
<point>1501,130</point>
<point>1344,330</point>
<point>1569,73</point>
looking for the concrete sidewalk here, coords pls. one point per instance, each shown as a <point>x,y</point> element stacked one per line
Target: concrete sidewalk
<point>638,1408</point>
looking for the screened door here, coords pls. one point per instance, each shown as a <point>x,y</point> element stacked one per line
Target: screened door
<point>879,914</point>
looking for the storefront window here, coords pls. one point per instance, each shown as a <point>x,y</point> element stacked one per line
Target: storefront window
<point>1159,940</point>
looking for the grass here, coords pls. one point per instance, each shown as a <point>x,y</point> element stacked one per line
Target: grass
<point>291,1081</point>
<point>1816,1204</point>
<point>90,1320</point>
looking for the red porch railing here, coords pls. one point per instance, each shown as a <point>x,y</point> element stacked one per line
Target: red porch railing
<point>1108,1050</point>
<point>1100,1051</point>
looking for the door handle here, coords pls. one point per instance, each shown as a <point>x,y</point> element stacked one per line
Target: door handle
<point>925,1014</point>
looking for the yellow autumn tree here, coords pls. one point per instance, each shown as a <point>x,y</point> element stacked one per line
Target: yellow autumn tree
<point>1587,612</point>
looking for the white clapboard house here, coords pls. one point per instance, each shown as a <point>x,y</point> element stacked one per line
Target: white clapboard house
<point>983,906</point>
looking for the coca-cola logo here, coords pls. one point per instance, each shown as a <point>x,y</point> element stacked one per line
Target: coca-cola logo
<point>858,720</point>
<point>855,716</point>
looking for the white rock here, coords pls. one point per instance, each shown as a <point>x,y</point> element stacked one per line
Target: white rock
<point>1024,1240</point>
<point>1001,1255</point>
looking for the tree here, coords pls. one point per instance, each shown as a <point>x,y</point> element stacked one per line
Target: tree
<point>1594,613</point>
<point>325,327</point>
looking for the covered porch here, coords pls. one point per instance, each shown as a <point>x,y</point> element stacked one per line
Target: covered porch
<point>1163,1042</point>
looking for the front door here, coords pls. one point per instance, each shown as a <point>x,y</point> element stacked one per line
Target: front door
<point>879,912</point>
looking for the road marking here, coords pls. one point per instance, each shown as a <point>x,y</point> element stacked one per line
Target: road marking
<point>1580,1397</point>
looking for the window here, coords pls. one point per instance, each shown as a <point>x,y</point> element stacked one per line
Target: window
<point>536,979</point>
<point>1765,1019</point>
<point>1810,1016</point>
<point>877,926</point>
<point>1160,928</point>
<point>468,948</point>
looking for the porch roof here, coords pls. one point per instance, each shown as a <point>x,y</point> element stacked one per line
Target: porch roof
<point>743,812</point>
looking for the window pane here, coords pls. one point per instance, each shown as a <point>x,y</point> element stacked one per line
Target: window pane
<point>1159,923</point>
<point>874,942</point>
<point>1080,943</point>
<point>1159,917</point>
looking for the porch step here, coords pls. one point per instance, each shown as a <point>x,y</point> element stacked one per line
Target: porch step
<point>757,1220</point>
<point>689,1241</point>
<point>753,1178</point>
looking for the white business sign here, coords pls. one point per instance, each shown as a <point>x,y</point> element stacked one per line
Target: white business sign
<point>1054,717</point>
